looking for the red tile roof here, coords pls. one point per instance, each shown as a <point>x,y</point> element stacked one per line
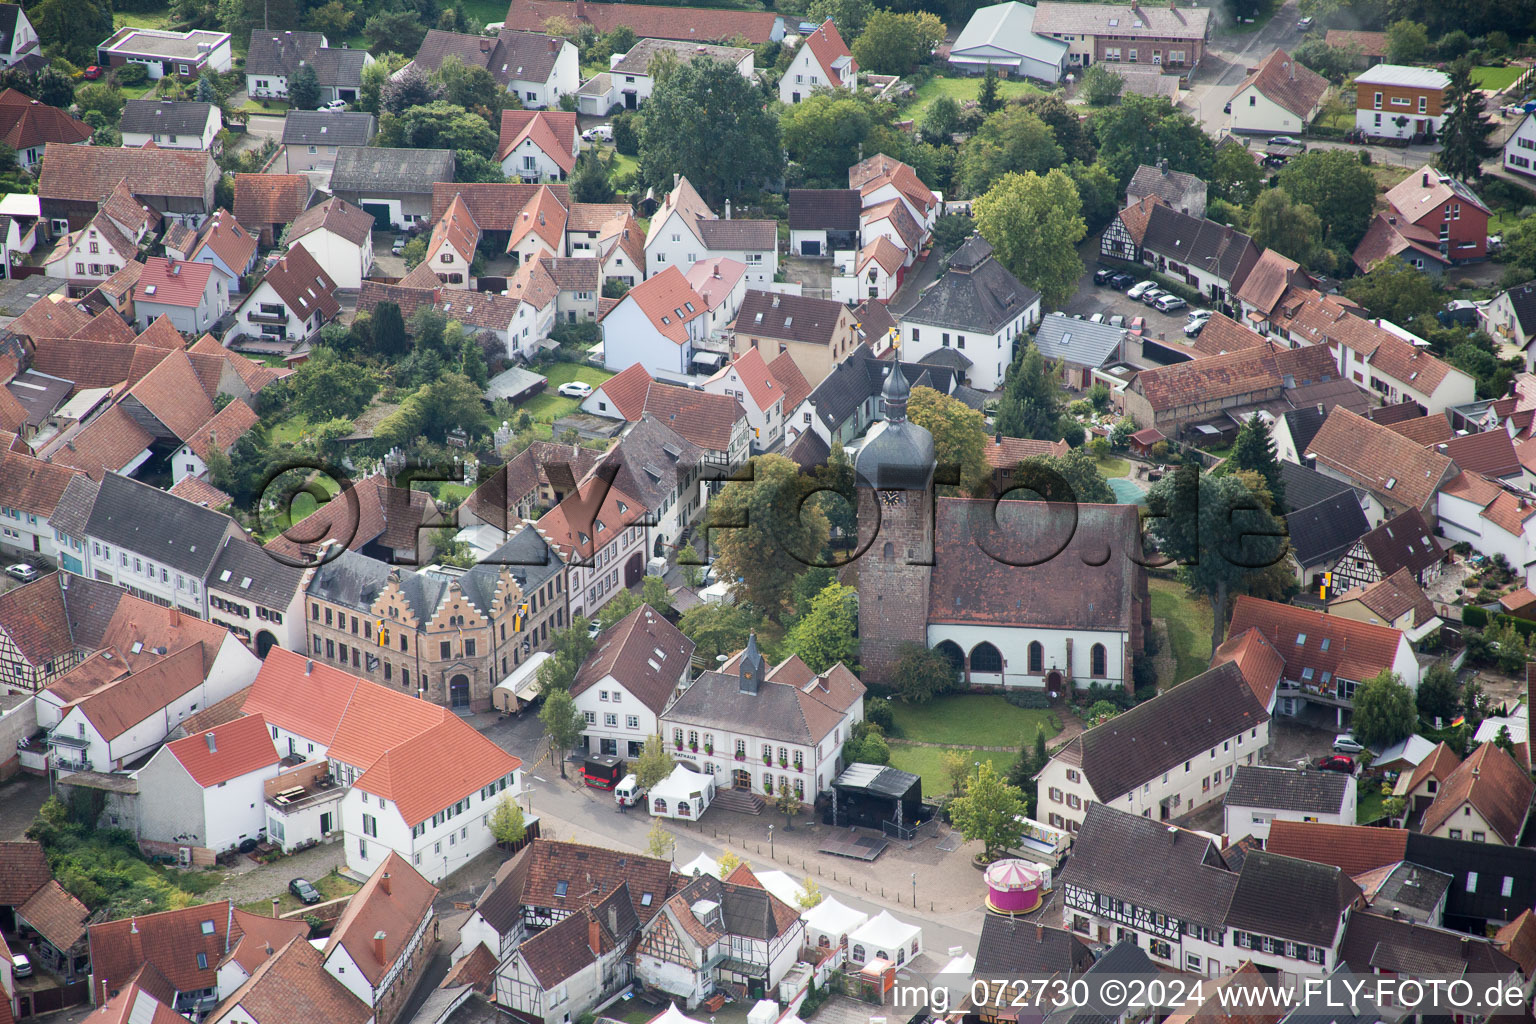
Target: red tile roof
<point>544,216</point>
<point>107,326</point>
<point>879,170</point>
<point>1490,453</point>
<point>137,1004</point>
<point>706,420</point>
<point>23,870</point>
<point>1439,765</point>
<point>395,905</point>
<point>173,283</point>
<point>1370,44</point>
<point>644,652</point>
<point>304,287</point>
<point>436,768</point>
<point>336,216</point>
<point>226,239</point>
<point>495,205</point>
<point>1258,661</point>
<point>57,916</point>
<point>1008,452</point>
<point>1355,849</point>
<point>694,24</point>
<point>749,370</point>
<point>1426,430</point>
<point>26,123</point>
<point>226,752</point>
<point>31,485</point>
<point>294,985</point>
<point>579,526</point>
<point>262,200</point>
<point>124,703</point>
<point>668,302</point>
<point>170,940</point>
<point>174,395</point>
<point>787,372</point>
<point>1379,459</point>
<point>380,511</point>
<point>1328,644</point>
<point>455,228</point>
<point>46,318</point>
<point>626,390</point>
<point>257,937</point>
<point>310,704</point>
<point>1423,190</point>
<point>477,970</point>
<point>1494,785</point>
<point>105,445</point>
<point>553,131</point>
<point>1283,81</point>
<point>90,173</point>
<point>827,46</point>
<point>227,426</point>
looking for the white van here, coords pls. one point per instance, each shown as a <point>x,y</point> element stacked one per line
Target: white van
<point>629,791</point>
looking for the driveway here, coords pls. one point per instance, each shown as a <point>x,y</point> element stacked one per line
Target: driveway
<point>20,800</point>
<point>1091,298</point>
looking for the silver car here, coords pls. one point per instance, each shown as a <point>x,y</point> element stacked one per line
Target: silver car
<point>1136,291</point>
<point>1169,302</point>
<point>1344,743</point>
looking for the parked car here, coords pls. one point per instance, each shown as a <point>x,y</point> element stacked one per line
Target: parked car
<point>399,246</point>
<point>575,389</point>
<point>1284,140</point>
<point>1344,743</point>
<point>1097,318</point>
<point>598,133</point>
<point>1194,327</point>
<point>92,73</point>
<point>334,106</point>
<point>1199,314</point>
<point>21,571</point>
<point>303,891</point>
<point>1139,290</point>
<point>1169,302</point>
<point>1304,25</point>
<point>593,629</point>
<point>1103,275</point>
<point>1138,325</point>
<point>1117,320</point>
<point>21,966</point>
<point>1337,763</point>
<point>1120,282</point>
<point>1151,295</point>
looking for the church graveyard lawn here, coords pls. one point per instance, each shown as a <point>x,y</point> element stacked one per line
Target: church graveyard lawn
<point>970,720</point>
<point>1189,627</point>
<point>928,762</point>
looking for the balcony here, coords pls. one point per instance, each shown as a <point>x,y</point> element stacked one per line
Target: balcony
<point>275,319</point>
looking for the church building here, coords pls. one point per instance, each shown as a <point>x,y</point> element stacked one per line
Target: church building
<point>1017,594</point>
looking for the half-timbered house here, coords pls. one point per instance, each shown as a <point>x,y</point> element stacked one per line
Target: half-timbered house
<point>565,970</point>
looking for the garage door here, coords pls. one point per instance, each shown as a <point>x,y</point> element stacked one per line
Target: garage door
<point>380,212</point>
<point>810,247</point>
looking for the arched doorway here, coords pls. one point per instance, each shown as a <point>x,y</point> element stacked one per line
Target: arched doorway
<point>634,569</point>
<point>986,658</point>
<point>741,779</point>
<point>265,641</point>
<point>952,653</point>
<point>1053,684</point>
<point>458,693</point>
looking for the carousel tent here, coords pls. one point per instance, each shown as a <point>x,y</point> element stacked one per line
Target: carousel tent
<point>885,937</point>
<point>832,921</point>
<point>703,864</point>
<point>683,794</point>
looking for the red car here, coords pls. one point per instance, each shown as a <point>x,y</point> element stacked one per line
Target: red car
<point>93,72</point>
<point>1138,325</point>
<point>1337,763</point>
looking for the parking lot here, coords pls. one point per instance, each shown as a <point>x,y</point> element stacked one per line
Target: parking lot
<point>1091,298</point>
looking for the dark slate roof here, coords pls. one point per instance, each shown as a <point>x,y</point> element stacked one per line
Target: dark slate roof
<point>74,508</point>
<point>1199,242</point>
<point>730,235</point>
<point>858,379</point>
<point>976,293</point>
<point>350,579</point>
<point>650,459</point>
<point>1403,542</point>
<point>1304,425</point>
<point>1376,942</point>
<point>949,358</point>
<point>91,605</point>
<point>1288,789</point>
<point>1522,298</point>
<point>1175,188</point>
<point>164,117</point>
<point>1326,530</point>
<point>1288,898</point>
<point>1160,734</point>
<point>148,521</point>
<point>371,169</point>
<point>1491,863</point>
<point>328,128</point>
<point>1320,1008</point>
<point>715,698</point>
<point>1410,885</point>
<point>810,451</point>
<point>280,54</point>
<point>824,209</point>
<point>501,902</point>
<point>969,397</point>
<point>790,317</point>
<point>1152,864</point>
<point>1306,487</point>
<point>1125,960</point>
<point>1012,948</point>
<point>1080,342</point>
<point>247,569</point>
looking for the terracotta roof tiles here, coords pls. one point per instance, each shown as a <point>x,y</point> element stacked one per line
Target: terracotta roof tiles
<point>336,216</point>
<point>644,652</point>
<point>23,870</point>
<point>173,395</point>
<point>706,420</point>
<point>57,916</point>
<point>262,200</point>
<point>1287,83</point>
<point>223,236</point>
<point>395,905</point>
<point>436,768</point>
<point>1380,459</point>
<point>1490,782</point>
<point>226,752</point>
<point>1354,848</point>
<point>552,131</point>
<point>1331,646</point>
<point>627,390</point>
<point>105,445</point>
<point>294,985</point>
<point>90,173</point>
<point>648,21</point>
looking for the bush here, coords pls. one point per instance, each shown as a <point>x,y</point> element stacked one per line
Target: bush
<point>877,711</point>
<point>626,134</point>
<point>132,75</point>
<point>1475,617</point>
<point>1034,700</point>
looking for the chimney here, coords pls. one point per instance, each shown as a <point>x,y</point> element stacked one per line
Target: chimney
<point>676,178</point>
<point>175,616</point>
<point>727,209</point>
<point>104,999</point>
<point>309,667</point>
<point>594,934</point>
<point>554,44</point>
<point>274,907</point>
<point>378,948</point>
<point>384,883</point>
<point>1039,933</point>
<point>213,746</point>
<point>1424,178</point>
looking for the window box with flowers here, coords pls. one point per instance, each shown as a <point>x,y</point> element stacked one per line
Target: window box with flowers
<point>783,762</point>
<point>709,747</point>
<point>678,743</point>
<point>694,746</point>
<point>767,758</point>
<point>741,755</point>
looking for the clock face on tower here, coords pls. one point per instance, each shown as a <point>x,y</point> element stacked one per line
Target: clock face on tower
<point>891,499</point>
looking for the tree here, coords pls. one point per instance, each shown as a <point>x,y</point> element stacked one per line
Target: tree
<point>895,44</point>
<point>922,673</point>
<point>400,31</point>
<point>940,121</point>
<point>828,632</point>
<point>1098,191</point>
<point>589,181</point>
<point>849,16</point>
<point>101,96</point>
<point>991,812</point>
<point>654,763</point>
<point>659,842</point>
<point>1397,292</point>
<point>768,532</point>
<point>786,803</point>
<point>412,88</point>
<point>325,387</point>
<point>332,19</point>
<point>707,99</point>
<point>1407,42</point>
<point>1439,695</point>
<point>1339,189</point>
<point>304,88</point>
<point>691,565</point>
<point>388,337</point>
<point>507,824</point>
<point>951,229</point>
<point>987,97</point>
<point>1278,222</point>
<point>626,133</point>
<point>470,86</point>
<point>717,629</point>
<point>810,894</point>
<point>959,435</point>
<point>1034,224</point>
<point>1013,139</point>
<point>206,93</point>
<point>823,135</point>
<point>438,125</point>
<point>563,724</point>
<point>72,28</point>
<point>621,39</point>
<point>956,767</point>
<point>1031,405</point>
<point>730,861</point>
<point>1254,450</point>
<point>1065,122</point>
<point>1464,133</point>
<point>1334,63</point>
<point>1073,477</point>
<point>1100,86</point>
<point>1218,532</point>
<point>1145,129</point>
<point>1384,711</point>
<point>1235,177</point>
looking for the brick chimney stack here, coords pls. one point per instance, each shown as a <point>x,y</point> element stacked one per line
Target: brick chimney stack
<point>384,883</point>
<point>378,948</point>
<point>594,934</point>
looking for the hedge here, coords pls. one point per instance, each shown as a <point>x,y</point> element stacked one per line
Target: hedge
<point>1472,615</point>
<point>1479,618</point>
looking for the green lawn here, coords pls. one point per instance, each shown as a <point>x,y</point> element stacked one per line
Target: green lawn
<point>621,164</point>
<point>1110,468</point>
<point>483,12</point>
<point>1497,79</point>
<point>985,720</point>
<point>1368,805</point>
<point>276,108</point>
<point>549,405</point>
<point>962,89</point>
<point>143,19</point>
<point>1189,627</point>
<point>927,762</point>
<point>288,430</point>
<point>331,886</point>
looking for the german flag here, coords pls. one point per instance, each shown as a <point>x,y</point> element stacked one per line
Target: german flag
<point>1459,720</point>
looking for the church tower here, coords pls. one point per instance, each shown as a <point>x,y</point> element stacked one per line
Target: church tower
<point>894,477</point>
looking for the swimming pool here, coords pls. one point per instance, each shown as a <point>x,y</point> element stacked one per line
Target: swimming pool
<point>1127,493</point>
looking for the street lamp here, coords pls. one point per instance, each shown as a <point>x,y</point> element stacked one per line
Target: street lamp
<point>914,890</point>
<point>770,842</point>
